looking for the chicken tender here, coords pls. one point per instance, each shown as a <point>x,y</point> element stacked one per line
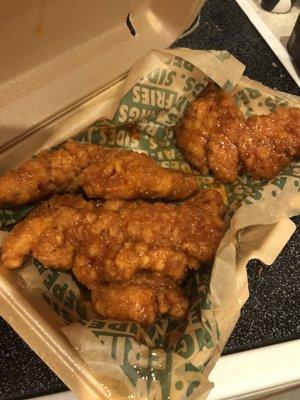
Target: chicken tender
<point>130,175</point>
<point>142,299</point>
<point>44,230</point>
<point>214,136</point>
<point>270,142</point>
<point>48,173</point>
<point>113,242</point>
<point>209,132</point>
<point>100,172</point>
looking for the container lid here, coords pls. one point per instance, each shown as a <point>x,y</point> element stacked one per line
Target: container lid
<point>54,54</point>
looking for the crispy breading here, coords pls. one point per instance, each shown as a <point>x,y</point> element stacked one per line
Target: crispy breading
<point>43,232</point>
<point>113,242</point>
<point>214,136</point>
<point>100,172</point>
<point>131,254</point>
<point>142,299</point>
<point>131,175</point>
<point>208,133</point>
<point>48,173</point>
<point>74,201</point>
<point>270,142</point>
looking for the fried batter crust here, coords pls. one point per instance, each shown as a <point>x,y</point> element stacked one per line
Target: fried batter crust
<point>142,299</point>
<point>214,136</point>
<point>48,173</point>
<point>208,134</point>
<point>130,175</point>
<point>113,242</point>
<point>270,142</point>
<point>100,172</point>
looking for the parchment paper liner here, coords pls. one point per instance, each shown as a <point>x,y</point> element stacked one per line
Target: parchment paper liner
<point>173,360</point>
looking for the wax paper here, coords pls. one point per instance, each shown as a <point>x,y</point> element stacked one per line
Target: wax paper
<point>172,360</point>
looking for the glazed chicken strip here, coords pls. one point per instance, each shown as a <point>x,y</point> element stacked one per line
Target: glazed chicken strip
<point>270,142</point>
<point>114,241</point>
<point>142,299</point>
<point>100,172</point>
<point>214,136</point>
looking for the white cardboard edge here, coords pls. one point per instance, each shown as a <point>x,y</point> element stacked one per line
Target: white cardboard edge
<point>264,370</point>
<point>277,47</point>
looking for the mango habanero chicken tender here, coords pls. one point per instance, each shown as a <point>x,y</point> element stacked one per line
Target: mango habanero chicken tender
<point>214,136</point>
<point>114,241</point>
<point>100,172</point>
<point>142,299</point>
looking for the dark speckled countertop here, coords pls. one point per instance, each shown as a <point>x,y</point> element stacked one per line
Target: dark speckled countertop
<point>272,313</point>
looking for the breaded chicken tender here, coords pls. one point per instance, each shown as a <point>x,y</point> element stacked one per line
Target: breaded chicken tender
<point>270,142</point>
<point>142,299</point>
<point>45,228</point>
<point>208,134</point>
<point>48,173</point>
<point>100,172</point>
<point>116,240</point>
<point>214,136</point>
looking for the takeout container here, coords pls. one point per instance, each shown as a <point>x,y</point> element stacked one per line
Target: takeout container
<point>62,62</point>
<point>55,55</point>
<point>169,360</point>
